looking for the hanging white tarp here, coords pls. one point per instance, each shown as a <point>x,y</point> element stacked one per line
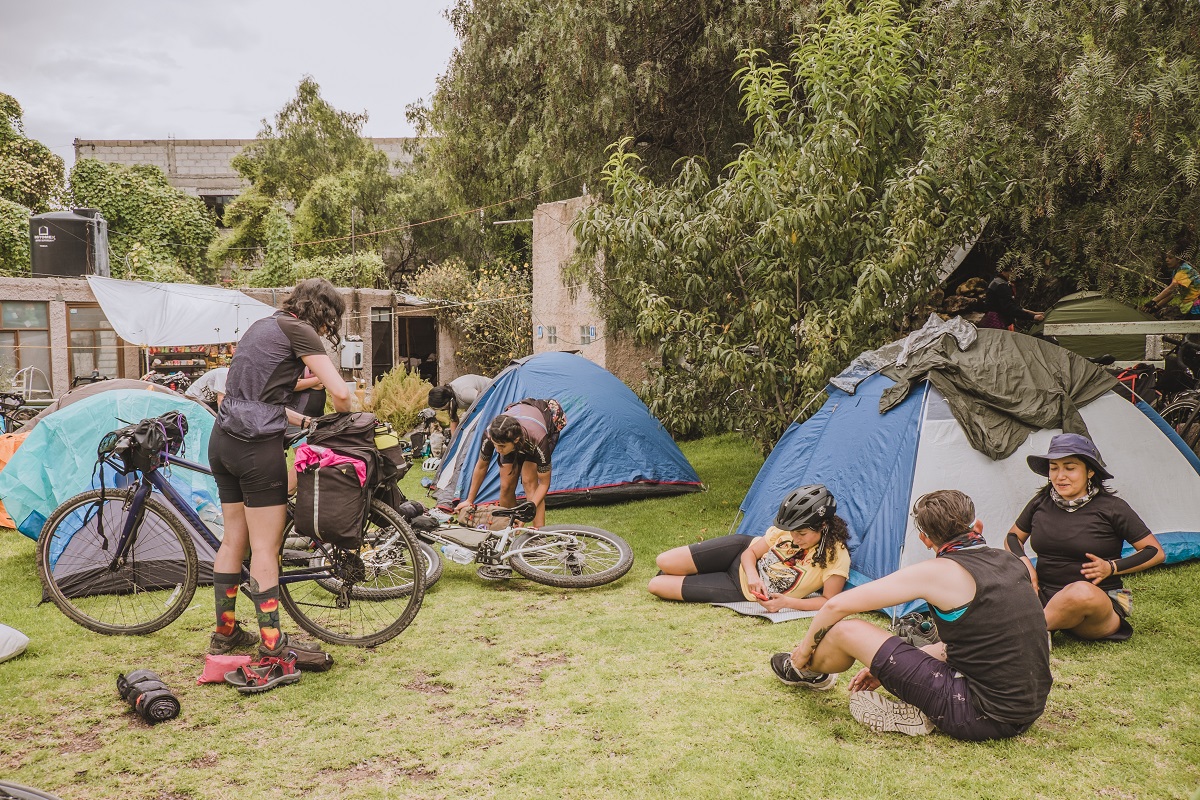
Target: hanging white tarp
<point>164,314</point>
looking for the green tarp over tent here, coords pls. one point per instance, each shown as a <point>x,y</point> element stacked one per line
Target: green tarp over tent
<point>1095,307</point>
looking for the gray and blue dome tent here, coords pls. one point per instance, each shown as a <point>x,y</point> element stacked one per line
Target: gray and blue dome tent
<point>611,449</point>
<point>878,463</point>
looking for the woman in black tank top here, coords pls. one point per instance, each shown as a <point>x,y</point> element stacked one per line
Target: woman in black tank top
<point>989,676</point>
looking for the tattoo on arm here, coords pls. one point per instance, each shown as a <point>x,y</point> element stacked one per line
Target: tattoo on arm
<point>820,635</point>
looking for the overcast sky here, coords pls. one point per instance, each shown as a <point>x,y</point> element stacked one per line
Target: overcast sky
<point>153,69</point>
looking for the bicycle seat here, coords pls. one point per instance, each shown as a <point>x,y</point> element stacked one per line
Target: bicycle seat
<point>521,511</point>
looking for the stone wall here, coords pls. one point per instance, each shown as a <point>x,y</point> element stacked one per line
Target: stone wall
<point>565,323</point>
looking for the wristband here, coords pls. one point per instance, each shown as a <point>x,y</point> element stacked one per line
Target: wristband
<point>1113,566</point>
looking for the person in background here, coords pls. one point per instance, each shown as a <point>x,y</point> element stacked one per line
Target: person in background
<point>246,453</point>
<point>1003,310</point>
<point>803,552</point>
<point>988,677</point>
<point>460,393</point>
<point>525,436</point>
<point>1078,527</point>
<point>1184,287</point>
<point>209,388</point>
<point>310,395</point>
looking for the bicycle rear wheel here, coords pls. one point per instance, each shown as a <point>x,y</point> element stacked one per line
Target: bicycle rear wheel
<point>379,553</point>
<point>335,608</point>
<point>147,591</point>
<point>1183,416</point>
<point>572,556</point>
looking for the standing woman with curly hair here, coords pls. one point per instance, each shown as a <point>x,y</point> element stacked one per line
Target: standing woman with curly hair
<point>247,454</point>
<point>803,552</point>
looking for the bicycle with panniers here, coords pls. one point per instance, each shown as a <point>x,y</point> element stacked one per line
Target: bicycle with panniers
<point>124,561</point>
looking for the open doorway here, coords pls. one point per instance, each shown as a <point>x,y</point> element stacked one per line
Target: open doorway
<point>416,346</point>
<point>382,349</point>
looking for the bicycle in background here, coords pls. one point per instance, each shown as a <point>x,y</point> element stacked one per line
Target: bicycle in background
<point>13,412</point>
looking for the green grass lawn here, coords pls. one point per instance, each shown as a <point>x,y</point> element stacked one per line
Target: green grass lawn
<point>516,690</point>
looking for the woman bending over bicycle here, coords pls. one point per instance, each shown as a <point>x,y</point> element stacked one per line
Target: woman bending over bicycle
<point>803,552</point>
<point>524,436</point>
<point>248,458</point>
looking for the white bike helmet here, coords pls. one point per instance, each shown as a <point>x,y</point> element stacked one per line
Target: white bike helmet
<point>431,464</point>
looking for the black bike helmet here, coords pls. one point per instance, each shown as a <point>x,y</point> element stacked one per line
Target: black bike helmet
<point>806,507</point>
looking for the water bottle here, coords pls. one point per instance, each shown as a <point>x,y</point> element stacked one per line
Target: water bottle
<point>459,555</point>
<point>210,514</point>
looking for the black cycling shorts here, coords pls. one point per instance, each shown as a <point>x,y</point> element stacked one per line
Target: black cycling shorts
<point>718,570</point>
<point>250,472</point>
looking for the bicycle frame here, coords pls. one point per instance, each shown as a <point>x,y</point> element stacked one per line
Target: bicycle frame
<point>154,479</point>
<point>501,548</point>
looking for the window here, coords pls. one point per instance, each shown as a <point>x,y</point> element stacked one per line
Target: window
<point>93,345</point>
<point>24,338</point>
<point>551,334</point>
<point>216,203</point>
<point>585,334</point>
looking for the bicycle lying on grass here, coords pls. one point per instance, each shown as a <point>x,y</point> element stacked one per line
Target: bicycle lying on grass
<point>122,561</point>
<point>566,556</point>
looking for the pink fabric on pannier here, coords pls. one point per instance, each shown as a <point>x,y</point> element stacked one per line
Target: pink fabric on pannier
<point>308,455</point>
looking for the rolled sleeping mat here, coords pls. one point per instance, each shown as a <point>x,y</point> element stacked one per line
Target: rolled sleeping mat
<point>152,699</point>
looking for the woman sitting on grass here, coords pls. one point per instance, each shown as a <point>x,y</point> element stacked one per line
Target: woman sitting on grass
<point>803,552</point>
<point>1078,528</point>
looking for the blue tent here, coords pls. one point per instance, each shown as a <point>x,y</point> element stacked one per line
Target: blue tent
<point>612,448</point>
<point>877,465</point>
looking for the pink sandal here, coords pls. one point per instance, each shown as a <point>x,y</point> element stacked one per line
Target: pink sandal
<point>263,675</point>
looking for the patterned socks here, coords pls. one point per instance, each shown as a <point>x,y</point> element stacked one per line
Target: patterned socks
<point>225,590</point>
<point>266,603</point>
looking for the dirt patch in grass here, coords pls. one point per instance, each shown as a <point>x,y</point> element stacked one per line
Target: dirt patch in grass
<point>377,771</point>
<point>209,759</point>
<point>425,684</point>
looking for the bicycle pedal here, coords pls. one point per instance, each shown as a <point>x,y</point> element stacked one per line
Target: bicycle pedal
<point>494,572</point>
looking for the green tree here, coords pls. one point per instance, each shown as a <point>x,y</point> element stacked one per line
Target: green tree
<point>14,239</point>
<point>1088,114</point>
<point>278,267</point>
<point>759,284</point>
<point>172,230</point>
<point>535,93</point>
<point>488,310</point>
<point>314,159</point>
<point>30,174</point>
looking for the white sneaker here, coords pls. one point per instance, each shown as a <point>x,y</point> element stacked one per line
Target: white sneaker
<point>885,715</point>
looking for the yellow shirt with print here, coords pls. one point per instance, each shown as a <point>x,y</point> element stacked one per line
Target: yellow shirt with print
<point>798,577</point>
<point>1188,291</point>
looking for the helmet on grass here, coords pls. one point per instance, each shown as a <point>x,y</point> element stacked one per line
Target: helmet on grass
<point>806,507</point>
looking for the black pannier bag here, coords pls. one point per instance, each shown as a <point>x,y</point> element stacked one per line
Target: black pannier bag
<point>331,502</point>
<point>140,446</point>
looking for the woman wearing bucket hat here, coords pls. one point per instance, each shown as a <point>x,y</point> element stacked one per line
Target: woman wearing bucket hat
<point>1078,526</point>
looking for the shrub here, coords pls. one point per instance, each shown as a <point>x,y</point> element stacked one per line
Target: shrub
<point>398,396</point>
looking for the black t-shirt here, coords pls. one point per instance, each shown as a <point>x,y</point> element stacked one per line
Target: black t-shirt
<point>262,377</point>
<point>1061,538</point>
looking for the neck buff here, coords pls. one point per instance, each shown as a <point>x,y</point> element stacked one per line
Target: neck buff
<point>1078,502</point>
<point>962,542</point>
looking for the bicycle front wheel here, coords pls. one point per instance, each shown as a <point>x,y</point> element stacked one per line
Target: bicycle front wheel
<point>1184,417</point>
<point>143,592</point>
<point>571,556</point>
<point>359,599</point>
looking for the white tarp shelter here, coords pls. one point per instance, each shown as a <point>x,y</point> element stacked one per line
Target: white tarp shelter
<point>151,314</point>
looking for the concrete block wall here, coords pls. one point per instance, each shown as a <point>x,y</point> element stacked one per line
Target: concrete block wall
<point>554,307</point>
<point>201,166</point>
